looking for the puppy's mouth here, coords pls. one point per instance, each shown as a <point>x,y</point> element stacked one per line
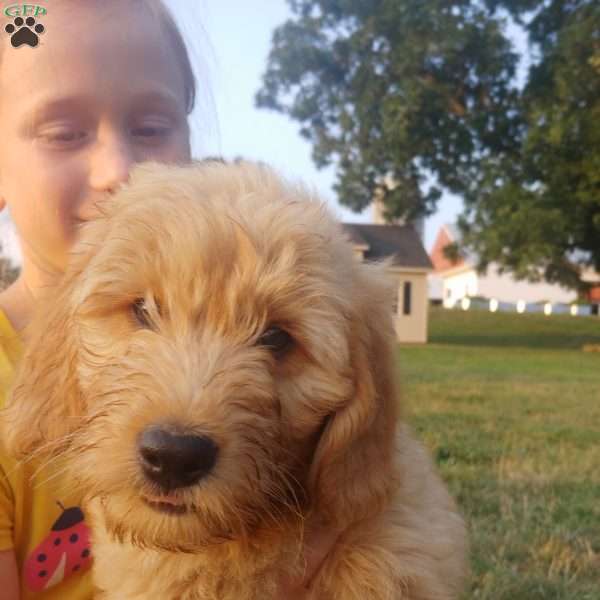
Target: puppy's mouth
<point>169,504</point>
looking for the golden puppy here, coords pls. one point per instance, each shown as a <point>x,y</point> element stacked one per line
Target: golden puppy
<point>216,366</point>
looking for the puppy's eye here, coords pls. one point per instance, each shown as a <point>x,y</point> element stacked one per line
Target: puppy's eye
<point>275,339</point>
<point>141,312</point>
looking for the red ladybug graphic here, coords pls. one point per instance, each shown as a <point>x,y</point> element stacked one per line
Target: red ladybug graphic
<point>64,552</point>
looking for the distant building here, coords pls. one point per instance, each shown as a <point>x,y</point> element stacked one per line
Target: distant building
<point>593,295</point>
<point>409,269</point>
<point>460,279</point>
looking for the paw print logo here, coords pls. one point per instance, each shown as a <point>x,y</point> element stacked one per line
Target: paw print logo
<point>24,32</point>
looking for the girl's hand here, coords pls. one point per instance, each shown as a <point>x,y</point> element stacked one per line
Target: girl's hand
<point>9,575</point>
<point>319,542</point>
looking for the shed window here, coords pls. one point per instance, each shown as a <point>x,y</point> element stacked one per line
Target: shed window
<point>406,305</point>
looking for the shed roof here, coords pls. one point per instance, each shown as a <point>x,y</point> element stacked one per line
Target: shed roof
<point>401,242</point>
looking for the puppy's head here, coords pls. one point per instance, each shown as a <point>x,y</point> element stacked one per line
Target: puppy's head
<point>214,361</point>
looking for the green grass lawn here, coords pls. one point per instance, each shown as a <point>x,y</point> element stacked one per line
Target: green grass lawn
<point>510,407</point>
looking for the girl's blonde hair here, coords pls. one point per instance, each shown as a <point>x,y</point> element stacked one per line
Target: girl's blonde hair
<point>177,42</point>
<point>175,38</point>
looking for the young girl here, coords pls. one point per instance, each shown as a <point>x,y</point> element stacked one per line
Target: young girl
<point>110,84</point>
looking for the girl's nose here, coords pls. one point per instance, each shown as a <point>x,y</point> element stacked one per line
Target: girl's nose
<point>110,164</point>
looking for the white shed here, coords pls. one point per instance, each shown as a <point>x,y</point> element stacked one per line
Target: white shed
<point>409,269</point>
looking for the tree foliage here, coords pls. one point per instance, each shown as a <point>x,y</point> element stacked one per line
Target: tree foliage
<point>412,97</point>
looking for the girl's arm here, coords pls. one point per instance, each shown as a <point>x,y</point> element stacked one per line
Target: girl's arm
<point>9,575</point>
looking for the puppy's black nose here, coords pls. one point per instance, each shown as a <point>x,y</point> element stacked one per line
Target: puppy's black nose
<point>174,460</point>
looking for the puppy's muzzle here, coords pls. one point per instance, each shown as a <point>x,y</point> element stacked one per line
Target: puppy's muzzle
<point>175,460</point>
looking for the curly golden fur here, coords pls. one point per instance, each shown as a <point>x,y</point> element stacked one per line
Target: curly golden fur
<point>220,254</point>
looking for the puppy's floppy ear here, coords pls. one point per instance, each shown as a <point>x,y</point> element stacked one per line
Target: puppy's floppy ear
<point>352,470</point>
<point>44,402</point>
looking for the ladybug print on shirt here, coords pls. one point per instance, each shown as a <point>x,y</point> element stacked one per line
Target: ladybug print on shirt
<point>64,552</point>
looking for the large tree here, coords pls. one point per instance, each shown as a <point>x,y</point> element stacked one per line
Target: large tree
<point>411,97</point>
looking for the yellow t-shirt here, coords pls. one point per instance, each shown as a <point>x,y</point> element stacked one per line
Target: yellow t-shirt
<point>42,523</point>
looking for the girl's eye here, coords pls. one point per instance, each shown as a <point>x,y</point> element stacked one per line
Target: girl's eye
<point>63,137</point>
<point>275,339</point>
<point>152,130</point>
<point>142,313</point>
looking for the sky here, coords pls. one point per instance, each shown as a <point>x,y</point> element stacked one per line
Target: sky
<point>229,41</point>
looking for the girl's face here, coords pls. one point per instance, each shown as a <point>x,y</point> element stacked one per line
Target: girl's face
<point>102,91</point>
